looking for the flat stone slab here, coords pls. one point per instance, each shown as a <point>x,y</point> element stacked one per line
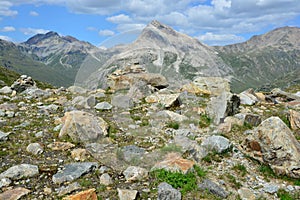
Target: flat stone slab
<point>73,171</point>
<point>14,194</point>
<point>20,171</point>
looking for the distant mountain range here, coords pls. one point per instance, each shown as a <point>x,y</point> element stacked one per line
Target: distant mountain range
<point>269,60</point>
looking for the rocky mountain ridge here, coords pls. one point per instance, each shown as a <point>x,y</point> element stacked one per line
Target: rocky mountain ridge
<point>141,139</point>
<point>264,61</point>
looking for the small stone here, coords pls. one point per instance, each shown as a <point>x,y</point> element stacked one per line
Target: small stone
<point>271,188</point>
<point>105,179</point>
<point>79,154</point>
<point>60,146</point>
<point>6,90</point>
<point>35,148</point>
<point>47,190</point>
<point>127,194</point>
<point>134,173</point>
<point>246,194</point>
<point>167,192</point>
<point>84,195</point>
<point>76,89</point>
<point>20,171</point>
<point>3,136</point>
<point>103,169</point>
<point>14,194</point>
<point>290,188</point>
<point>4,182</point>
<point>103,106</point>
<point>68,189</point>
<point>39,134</point>
<point>73,171</point>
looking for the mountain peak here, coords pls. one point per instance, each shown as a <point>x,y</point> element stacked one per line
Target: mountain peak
<point>161,27</point>
<point>40,37</point>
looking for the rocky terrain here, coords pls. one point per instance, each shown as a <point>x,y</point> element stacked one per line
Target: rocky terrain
<point>145,139</point>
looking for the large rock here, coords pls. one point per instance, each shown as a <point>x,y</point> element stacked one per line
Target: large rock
<point>166,100</point>
<point>223,105</point>
<point>213,188</point>
<point>20,171</point>
<point>124,78</point>
<point>82,102</point>
<point>215,85</point>
<point>167,192</point>
<point>83,126</point>
<point>133,173</point>
<point>122,101</point>
<point>274,144</point>
<point>216,143</point>
<point>22,83</point>
<point>73,171</point>
<point>170,115</point>
<point>248,97</point>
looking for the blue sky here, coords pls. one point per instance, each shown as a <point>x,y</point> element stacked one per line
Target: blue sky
<point>215,22</point>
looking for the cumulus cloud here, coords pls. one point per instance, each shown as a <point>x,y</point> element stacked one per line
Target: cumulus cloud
<point>106,33</point>
<point>219,39</point>
<point>7,29</point>
<point>33,13</point>
<point>119,19</point>
<point>5,9</point>
<point>3,37</point>
<point>33,31</point>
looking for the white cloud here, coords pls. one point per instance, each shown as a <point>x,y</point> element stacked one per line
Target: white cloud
<point>33,31</point>
<point>130,27</point>
<point>3,37</point>
<point>219,39</point>
<point>94,7</point>
<point>33,13</point>
<point>106,33</point>
<point>90,28</point>
<point>118,19</point>
<point>7,29</point>
<point>5,9</point>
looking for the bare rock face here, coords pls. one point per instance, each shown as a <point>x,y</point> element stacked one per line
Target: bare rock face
<point>274,144</point>
<point>83,126</point>
<point>223,105</point>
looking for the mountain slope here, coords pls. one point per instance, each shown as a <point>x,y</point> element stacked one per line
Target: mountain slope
<point>268,60</point>
<point>160,49</point>
<point>63,54</point>
<point>13,59</point>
